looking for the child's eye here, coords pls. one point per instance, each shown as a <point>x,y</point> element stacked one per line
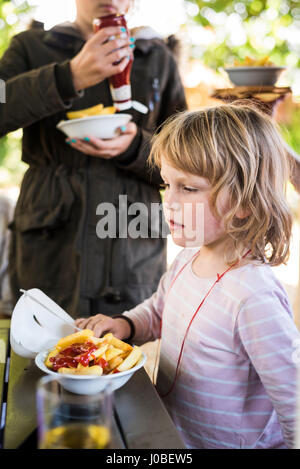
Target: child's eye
<point>189,189</point>
<point>164,186</point>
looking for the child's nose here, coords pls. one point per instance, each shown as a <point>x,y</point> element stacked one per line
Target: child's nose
<point>169,198</point>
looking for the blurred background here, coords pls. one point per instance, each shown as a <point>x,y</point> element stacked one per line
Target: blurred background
<point>211,34</point>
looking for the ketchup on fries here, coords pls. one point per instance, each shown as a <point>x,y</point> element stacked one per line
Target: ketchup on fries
<point>83,353</point>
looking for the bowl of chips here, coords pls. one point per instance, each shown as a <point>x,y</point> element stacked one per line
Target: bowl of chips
<point>86,364</point>
<point>98,121</point>
<point>252,72</point>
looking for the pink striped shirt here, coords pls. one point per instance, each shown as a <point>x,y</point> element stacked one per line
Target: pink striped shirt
<point>236,386</point>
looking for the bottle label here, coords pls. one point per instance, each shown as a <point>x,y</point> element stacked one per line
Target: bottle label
<point>123,106</point>
<point>123,93</point>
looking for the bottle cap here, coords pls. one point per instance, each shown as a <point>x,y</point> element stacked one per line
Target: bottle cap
<point>123,106</point>
<point>132,104</point>
<point>140,107</point>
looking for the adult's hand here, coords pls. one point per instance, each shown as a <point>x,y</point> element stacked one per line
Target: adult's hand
<point>106,149</point>
<point>96,60</point>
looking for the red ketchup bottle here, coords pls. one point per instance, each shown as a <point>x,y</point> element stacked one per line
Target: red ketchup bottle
<point>120,86</point>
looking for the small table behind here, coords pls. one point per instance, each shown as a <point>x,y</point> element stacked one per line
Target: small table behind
<point>265,97</point>
<point>140,418</point>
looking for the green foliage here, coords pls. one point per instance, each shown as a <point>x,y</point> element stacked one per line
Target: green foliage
<point>14,16</point>
<point>234,29</point>
<point>224,31</point>
<point>290,130</point>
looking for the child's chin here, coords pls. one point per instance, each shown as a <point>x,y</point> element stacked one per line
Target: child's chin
<point>185,243</point>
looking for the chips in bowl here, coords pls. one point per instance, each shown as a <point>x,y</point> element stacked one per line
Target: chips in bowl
<point>98,110</point>
<point>87,363</point>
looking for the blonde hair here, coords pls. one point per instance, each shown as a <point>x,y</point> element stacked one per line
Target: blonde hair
<point>237,148</point>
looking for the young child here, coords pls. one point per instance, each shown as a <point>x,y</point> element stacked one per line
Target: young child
<point>226,320</point>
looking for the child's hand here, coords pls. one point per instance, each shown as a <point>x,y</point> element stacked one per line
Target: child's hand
<point>102,324</point>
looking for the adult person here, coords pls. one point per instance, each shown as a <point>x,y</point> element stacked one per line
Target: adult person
<point>54,242</point>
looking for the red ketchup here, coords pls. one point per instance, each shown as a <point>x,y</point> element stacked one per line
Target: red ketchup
<point>71,356</point>
<point>102,362</point>
<point>119,84</point>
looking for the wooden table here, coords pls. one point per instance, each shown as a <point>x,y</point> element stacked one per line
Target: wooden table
<point>265,97</point>
<point>140,419</point>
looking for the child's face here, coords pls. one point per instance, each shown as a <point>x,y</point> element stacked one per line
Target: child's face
<point>187,210</point>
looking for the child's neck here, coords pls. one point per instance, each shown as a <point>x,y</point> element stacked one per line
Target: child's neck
<point>210,261</point>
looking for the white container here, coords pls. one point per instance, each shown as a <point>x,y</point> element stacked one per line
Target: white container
<point>84,384</point>
<point>103,127</point>
<point>254,76</point>
<point>35,331</point>
<point>33,328</point>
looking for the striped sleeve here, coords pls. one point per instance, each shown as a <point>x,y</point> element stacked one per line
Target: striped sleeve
<point>147,315</point>
<point>265,331</point>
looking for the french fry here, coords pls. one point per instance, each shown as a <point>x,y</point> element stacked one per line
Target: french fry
<point>108,337</point>
<point>112,353</point>
<point>114,362</point>
<point>97,110</point>
<point>124,355</point>
<point>97,341</point>
<point>52,354</point>
<point>131,360</point>
<point>108,110</point>
<point>86,370</point>
<point>249,62</point>
<point>90,111</point>
<point>78,337</point>
<point>120,344</point>
<point>100,351</point>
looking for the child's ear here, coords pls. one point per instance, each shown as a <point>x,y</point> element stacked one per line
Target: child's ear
<point>243,213</point>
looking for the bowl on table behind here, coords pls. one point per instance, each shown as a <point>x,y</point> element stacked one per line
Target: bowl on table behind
<point>253,72</point>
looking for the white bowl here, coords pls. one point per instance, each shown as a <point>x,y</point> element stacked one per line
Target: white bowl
<point>254,76</point>
<point>83,384</point>
<point>98,126</point>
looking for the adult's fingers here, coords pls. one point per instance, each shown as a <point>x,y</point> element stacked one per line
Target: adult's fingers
<point>104,148</point>
<point>102,145</point>
<point>116,44</point>
<point>130,128</point>
<point>118,60</point>
<point>105,34</point>
<point>84,147</point>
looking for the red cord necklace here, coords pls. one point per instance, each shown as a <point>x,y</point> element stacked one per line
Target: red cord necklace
<point>194,315</point>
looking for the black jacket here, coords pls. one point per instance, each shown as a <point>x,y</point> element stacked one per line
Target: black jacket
<point>54,243</point>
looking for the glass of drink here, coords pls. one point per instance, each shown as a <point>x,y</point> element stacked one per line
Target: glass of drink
<point>72,421</point>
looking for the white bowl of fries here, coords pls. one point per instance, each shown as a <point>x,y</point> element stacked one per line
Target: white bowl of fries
<point>98,121</point>
<point>103,361</point>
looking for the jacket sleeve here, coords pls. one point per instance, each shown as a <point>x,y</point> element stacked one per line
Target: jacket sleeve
<point>31,95</point>
<point>172,101</point>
